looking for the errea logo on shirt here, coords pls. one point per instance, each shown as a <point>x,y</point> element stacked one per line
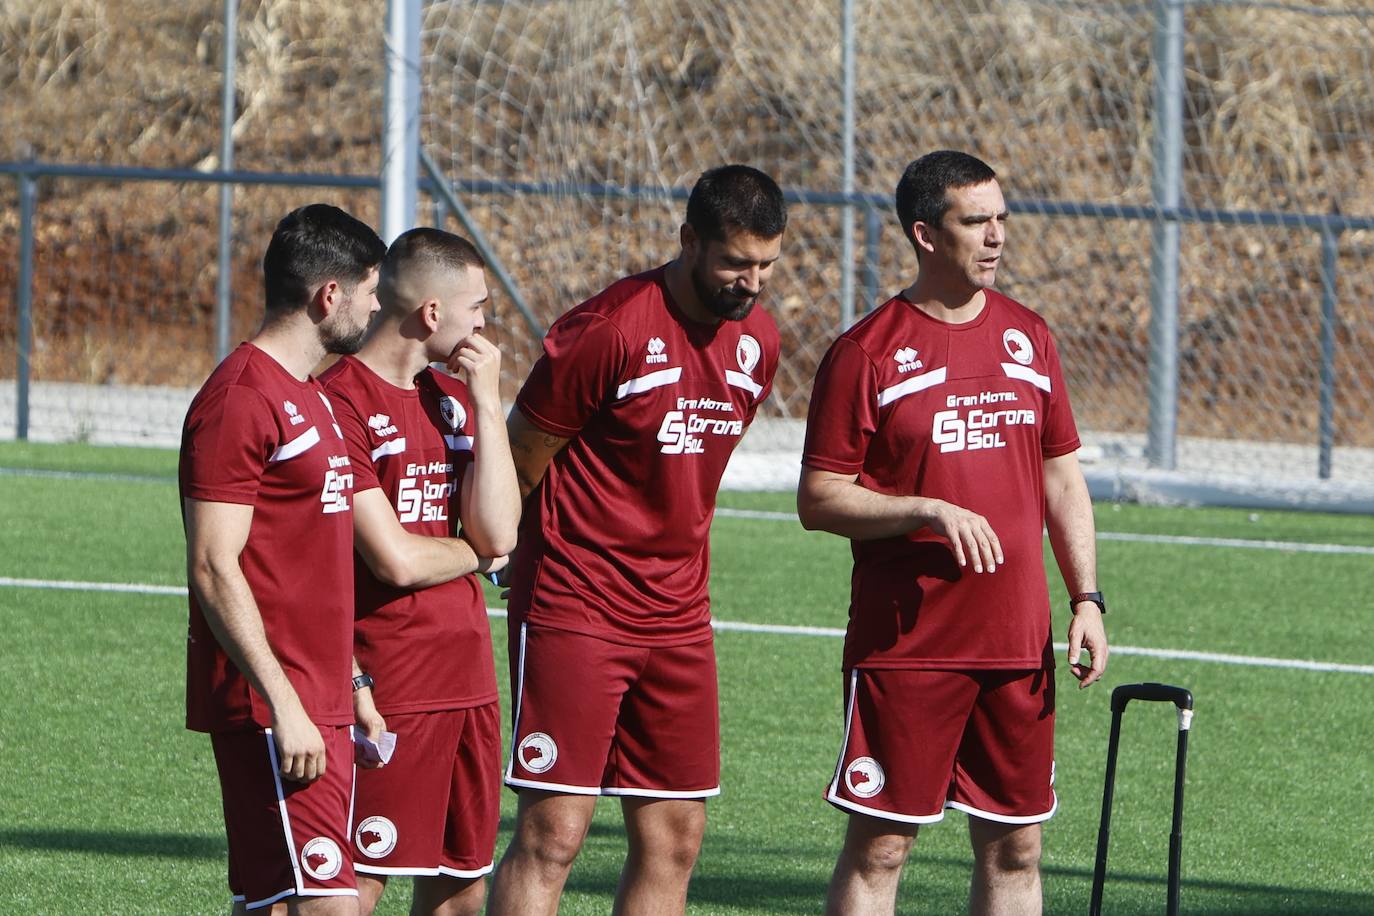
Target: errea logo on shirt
<point>293,412</point>
<point>907,360</point>
<point>656,348</point>
<point>381,424</point>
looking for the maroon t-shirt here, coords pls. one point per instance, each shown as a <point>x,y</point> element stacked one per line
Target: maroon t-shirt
<point>966,413</point>
<point>430,648</point>
<point>257,436</point>
<point>614,541</point>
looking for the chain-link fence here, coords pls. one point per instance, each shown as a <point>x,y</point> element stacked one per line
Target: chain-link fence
<point>570,129</point>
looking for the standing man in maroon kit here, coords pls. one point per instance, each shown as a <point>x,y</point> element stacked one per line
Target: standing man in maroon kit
<point>620,437</point>
<point>429,453</point>
<point>940,441</point>
<point>267,487</point>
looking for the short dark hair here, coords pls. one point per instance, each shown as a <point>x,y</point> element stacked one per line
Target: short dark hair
<point>422,248</point>
<point>921,196</point>
<point>313,244</point>
<point>736,197</point>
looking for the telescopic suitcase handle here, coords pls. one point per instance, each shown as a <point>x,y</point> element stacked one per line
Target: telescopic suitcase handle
<point>1157,693</point>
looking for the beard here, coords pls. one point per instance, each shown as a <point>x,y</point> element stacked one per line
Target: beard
<point>721,302</point>
<point>345,340</point>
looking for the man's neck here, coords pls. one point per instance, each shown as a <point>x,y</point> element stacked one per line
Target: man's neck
<point>293,342</point>
<point>678,276</point>
<point>395,356</point>
<point>954,303</point>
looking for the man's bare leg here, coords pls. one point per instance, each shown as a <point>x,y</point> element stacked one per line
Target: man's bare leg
<point>370,889</point>
<point>549,830</point>
<point>869,867</point>
<point>664,840</point>
<point>445,895</point>
<point>1006,869</point>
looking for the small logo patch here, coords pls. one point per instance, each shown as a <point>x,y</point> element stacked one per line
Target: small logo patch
<point>321,858</point>
<point>656,350</point>
<point>381,424</point>
<point>293,412</point>
<point>907,359</point>
<point>865,777</point>
<point>1018,346</point>
<point>376,837</point>
<point>453,413</point>
<point>537,752</point>
<point>747,353</point>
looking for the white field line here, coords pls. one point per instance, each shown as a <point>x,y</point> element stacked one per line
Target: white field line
<point>1186,540</point>
<point>1252,661</point>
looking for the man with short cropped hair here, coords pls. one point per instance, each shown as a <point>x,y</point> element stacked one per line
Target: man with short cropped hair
<point>941,442</point>
<point>430,457</point>
<point>620,436</point>
<point>267,487</point>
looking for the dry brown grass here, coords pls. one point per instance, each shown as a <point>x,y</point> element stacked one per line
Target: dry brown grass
<point>1279,115</point>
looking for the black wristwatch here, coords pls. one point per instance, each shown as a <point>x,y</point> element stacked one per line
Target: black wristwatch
<point>1095,597</point>
<point>363,680</point>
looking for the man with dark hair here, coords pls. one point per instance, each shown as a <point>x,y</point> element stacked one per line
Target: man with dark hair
<point>266,491</point>
<point>620,436</point>
<point>429,454</point>
<point>941,442</point>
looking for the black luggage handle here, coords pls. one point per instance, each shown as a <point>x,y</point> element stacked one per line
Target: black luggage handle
<point>1155,693</point>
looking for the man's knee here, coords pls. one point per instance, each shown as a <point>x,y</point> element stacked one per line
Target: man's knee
<point>871,851</point>
<point>1009,851</point>
<point>551,834</point>
<point>667,833</point>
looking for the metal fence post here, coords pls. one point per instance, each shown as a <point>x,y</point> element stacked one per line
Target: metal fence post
<point>1326,435</point>
<point>226,190</point>
<point>28,197</point>
<point>1166,186</point>
<point>847,211</point>
<point>401,132</point>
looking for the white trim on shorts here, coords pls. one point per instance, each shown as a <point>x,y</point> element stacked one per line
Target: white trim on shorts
<point>424,872</point>
<point>516,782</point>
<point>1006,818</point>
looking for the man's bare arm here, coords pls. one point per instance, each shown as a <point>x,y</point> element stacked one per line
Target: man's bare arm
<point>405,560</point>
<point>216,534</point>
<point>832,502</point>
<point>491,496</point>
<point>1073,536</point>
<point>532,449</point>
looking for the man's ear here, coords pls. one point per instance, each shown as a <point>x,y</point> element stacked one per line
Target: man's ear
<point>689,239</point>
<point>923,235</point>
<point>430,314</point>
<point>326,297</point>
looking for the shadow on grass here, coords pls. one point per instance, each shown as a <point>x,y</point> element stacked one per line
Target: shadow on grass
<point>106,842</point>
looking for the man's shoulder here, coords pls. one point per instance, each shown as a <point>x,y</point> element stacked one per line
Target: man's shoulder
<point>876,331</point>
<point>1014,312</point>
<point>625,300</point>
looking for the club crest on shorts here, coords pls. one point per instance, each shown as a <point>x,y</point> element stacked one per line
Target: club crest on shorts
<point>537,752</point>
<point>453,413</point>
<point>747,353</point>
<point>321,858</point>
<point>375,837</point>
<point>1018,346</point>
<point>865,777</point>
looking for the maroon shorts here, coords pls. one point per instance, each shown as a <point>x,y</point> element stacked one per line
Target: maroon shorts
<point>285,838</point>
<point>434,809</point>
<point>598,718</point>
<point>918,742</point>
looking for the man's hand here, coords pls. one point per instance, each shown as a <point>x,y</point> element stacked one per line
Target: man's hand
<point>1087,632</point>
<point>370,722</point>
<point>300,748</point>
<point>478,362</point>
<point>970,533</point>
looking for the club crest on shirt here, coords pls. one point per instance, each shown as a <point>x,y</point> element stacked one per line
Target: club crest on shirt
<point>321,858</point>
<point>1018,346</point>
<point>537,752</point>
<point>375,837</point>
<point>747,353</point>
<point>452,412</point>
<point>656,348</point>
<point>865,777</point>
